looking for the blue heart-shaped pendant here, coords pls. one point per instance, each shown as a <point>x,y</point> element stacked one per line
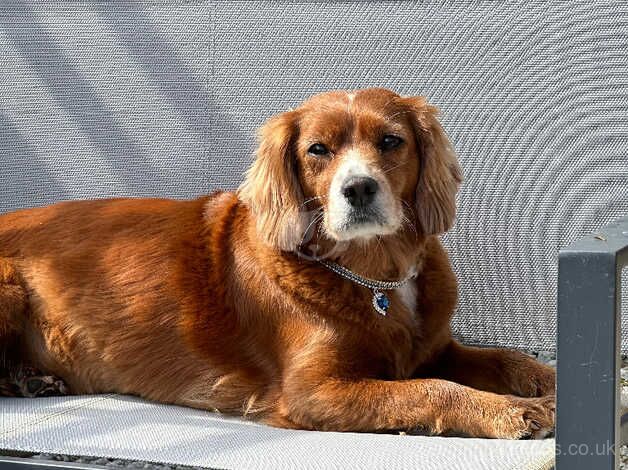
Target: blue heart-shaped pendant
<point>381,302</point>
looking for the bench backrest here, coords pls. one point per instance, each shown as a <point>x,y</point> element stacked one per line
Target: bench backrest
<point>162,98</point>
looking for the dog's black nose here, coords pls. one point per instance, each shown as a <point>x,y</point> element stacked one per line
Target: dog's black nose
<point>361,191</point>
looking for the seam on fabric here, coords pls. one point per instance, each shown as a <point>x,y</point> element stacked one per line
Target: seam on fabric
<point>56,414</point>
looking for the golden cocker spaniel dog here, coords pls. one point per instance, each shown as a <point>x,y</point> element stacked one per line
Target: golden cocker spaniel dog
<point>317,296</point>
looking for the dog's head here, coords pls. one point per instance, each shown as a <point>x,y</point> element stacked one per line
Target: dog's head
<point>368,162</point>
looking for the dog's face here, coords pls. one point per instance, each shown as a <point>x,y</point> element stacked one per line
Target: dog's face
<point>368,162</point>
<point>358,160</point>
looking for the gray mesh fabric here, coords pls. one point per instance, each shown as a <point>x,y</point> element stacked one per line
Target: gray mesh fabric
<point>129,428</point>
<point>162,98</point>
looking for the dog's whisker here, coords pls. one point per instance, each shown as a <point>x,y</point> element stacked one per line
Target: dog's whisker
<point>310,200</point>
<point>406,204</point>
<point>399,113</point>
<point>407,221</point>
<point>394,167</point>
<point>317,218</point>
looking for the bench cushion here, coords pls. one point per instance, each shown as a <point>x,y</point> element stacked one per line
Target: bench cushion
<point>125,427</point>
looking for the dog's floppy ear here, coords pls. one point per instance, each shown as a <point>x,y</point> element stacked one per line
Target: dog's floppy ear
<point>271,188</point>
<point>440,174</point>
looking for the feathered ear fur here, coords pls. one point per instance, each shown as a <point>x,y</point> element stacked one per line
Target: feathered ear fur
<point>271,188</point>
<point>440,173</point>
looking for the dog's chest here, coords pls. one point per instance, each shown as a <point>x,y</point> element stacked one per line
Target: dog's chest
<point>408,295</point>
<point>401,330</point>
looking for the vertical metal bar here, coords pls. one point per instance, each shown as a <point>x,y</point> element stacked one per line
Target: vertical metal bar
<point>589,341</point>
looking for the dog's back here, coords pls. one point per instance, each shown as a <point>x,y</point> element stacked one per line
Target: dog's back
<point>100,282</point>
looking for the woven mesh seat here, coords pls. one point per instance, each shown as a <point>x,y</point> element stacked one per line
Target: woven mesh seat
<point>129,428</point>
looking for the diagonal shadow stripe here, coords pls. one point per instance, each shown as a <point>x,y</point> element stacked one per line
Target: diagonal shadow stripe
<point>149,47</point>
<point>24,180</point>
<point>185,90</point>
<point>75,94</point>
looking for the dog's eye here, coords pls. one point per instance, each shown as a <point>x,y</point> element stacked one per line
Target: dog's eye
<point>318,150</point>
<point>390,142</point>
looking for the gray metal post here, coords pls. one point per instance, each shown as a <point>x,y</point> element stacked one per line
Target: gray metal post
<point>589,342</point>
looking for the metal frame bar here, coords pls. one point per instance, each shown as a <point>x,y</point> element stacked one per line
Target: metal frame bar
<point>25,463</point>
<point>589,347</point>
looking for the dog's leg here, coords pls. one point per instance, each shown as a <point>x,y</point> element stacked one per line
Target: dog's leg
<point>496,370</point>
<point>13,308</point>
<point>17,379</point>
<point>433,404</point>
<point>13,301</point>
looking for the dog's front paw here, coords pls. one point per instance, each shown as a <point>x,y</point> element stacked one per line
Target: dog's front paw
<point>529,378</point>
<point>526,418</point>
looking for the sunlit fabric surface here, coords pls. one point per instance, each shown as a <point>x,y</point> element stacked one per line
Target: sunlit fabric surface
<point>128,428</point>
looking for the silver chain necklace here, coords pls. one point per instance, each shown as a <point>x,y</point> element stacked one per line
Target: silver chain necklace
<point>381,302</point>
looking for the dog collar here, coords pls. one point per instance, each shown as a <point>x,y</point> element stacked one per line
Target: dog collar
<point>381,302</point>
